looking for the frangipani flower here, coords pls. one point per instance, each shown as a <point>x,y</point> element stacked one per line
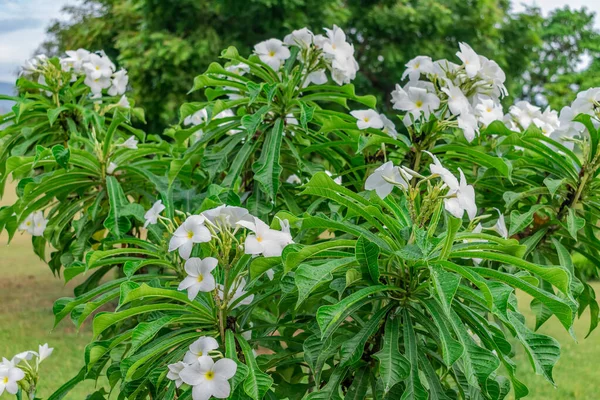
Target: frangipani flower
<point>417,66</point>
<point>199,277</point>
<point>174,371</point>
<point>153,213</point>
<point>266,241</point>
<point>238,69</point>
<point>384,178</point>
<point>98,66</point>
<point>110,169</point>
<point>190,232</point>
<point>470,59</point>
<point>200,348</point>
<point>488,111</point>
<point>301,37</point>
<point>415,101</point>
<point>75,60</point>
<point>239,292</point>
<point>388,127</point>
<point>468,123</point>
<point>463,199</point>
<point>123,102</point>
<point>44,352</point>
<point>130,143</point>
<point>119,83</point>
<point>447,177</point>
<point>272,52</point>
<point>9,377</point>
<point>225,216</point>
<point>367,119</point>
<point>293,179</point>
<point>209,378</point>
<point>457,101</point>
<point>500,226</point>
<point>35,224</point>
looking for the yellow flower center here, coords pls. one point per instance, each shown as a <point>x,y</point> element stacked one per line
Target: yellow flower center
<point>489,109</point>
<point>200,279</point>
<point>190,234</point>
<point>366,119</point>
<point>200,354</point>
<point>28,223</point>
<point>272,53</point>
<point>209,376</point>
<point>259,239</point>
<point>417,65</point>
<point>5,380</point>
<point>333,46</point>
<point>419,103</point>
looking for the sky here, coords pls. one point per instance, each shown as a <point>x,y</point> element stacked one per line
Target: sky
<point>23,24</point>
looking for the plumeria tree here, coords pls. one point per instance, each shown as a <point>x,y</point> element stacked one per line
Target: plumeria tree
<point>288,240</point>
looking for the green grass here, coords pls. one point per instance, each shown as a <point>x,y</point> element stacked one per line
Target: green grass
<point>28,290</point>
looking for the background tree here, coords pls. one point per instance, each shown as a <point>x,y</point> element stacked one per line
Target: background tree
<point>165,45</point>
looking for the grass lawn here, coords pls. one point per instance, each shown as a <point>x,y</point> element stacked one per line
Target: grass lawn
<point>28,290</point>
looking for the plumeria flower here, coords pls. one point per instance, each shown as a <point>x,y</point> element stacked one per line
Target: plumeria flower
<point>488,111</point>
<point>468,123</point>
<point>75,60</point>
<point>417,66</point>
<point>470,59</point>
<point>110,169</point>
<point>130,143</point>
<point>200,348</point>
<point>10,375</point>
<point>335,44</point>
<point>239,292</point>
<point>96,85</point>
<point>586,101</point>
<point>119,83</point>
<point>447,177</point>
<point>500,226</point>
<point>388,127</point>
<point>153,213</point>
<point>384,178</point>
<point>174,371</point>
<point>33,65</point>
<point>266,241</point>
<point>199,277</point>
<point>190,232</point>
<point>272,52</point>
<point>225,216</point>
<point>44,352</point>
<point>208,378</point>
<point>98,66</point>
<point>317,77</point>
<point>197,118</point>
<point>123,102</point>
<point>35,224</point>
<point>301,37</point>
<point>367,119</point>
<point>463,199</point>
<point>491,73</point>
<point>415,101</point>
<point>293,179</point>
<point>457,101</point>
<point>238,69</point>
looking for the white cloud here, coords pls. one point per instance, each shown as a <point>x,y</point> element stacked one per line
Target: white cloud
<point>24,30</point>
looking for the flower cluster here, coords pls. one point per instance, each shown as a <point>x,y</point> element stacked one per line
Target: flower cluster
<point>22,371</point>
<point>320,52</point>
<point>469,92</point>
<point>34,224</point>
<point>198,369</point>
<point>522,114</point>
<point>99,73</point>
<point>372,119</point>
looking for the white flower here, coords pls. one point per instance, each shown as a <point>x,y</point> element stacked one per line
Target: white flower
<point>293,179</point>
<point>130,143</point>
<point>470,59</point>
<point>417,66</point>
<point>339,54</point>
<point>225,216</point>
<point>491,73</point>
<point>209,378</point>
<point>415,101</point>
<point>488,111</point>
<point>98,66</point>
<point>35,224</point>
<point>97,84</point>
<point>567,127</point>
<point>239,292</point>
<point>272,52</point>
<point>200,348</point>
<point>384,178</point>
<point>238,69</point>
<point>75,60</point>
<point>119,83</point>
<point>199,277</point>
<point>367,119</point>
<point>586,101</point>
<point>547,121</point>
<point>123,102</point>
<point>33,65</point>
<point>447,177</point>
<point>266,241</point>
<point>457,101</point>
<point>463,199</point>
<point>44,352</point>
<point>23,356</point>
<point>500,226</point>
<point>110,169</point>
<point>468,123</point>
<point>524,113</point>
<point>197,118</point>
<point>174,371</point>
<point>317,77</point>
<point>9,376</point>
<point>301,37</point>
<point>335,45</point>
<point>153,213</point>
<point>388,126</point>
<point>190,232</point>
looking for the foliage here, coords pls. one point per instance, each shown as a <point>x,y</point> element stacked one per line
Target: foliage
<point>389,292</point>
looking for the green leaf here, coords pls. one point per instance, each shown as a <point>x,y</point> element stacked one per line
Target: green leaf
<point>367,255</point>
<point>267,169</point>
<point>61,155</point>
<point>452,226</point>
<point>230,352</point>
<point>446,285</point>
<point>251,122</point>
<point>553,185</point>
<point>360,385</point>
<point>309,277</point>
<point>257,383</point>
<point>414,387</point>
<point>574,223</point>
<point>393,366</point>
